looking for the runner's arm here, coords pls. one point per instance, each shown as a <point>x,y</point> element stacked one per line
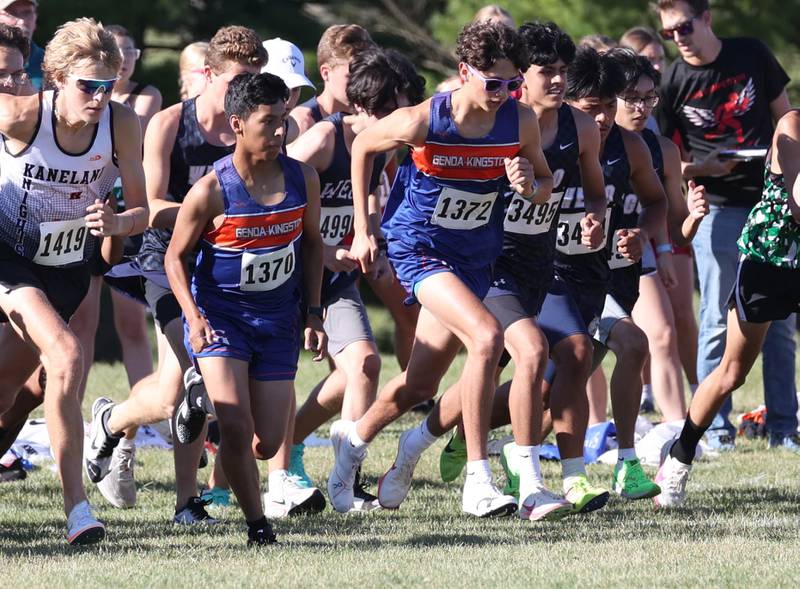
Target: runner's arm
<point>682,222</point>
<point>531,149</point>
<point>786,149</point>
<point>158,142</point>
<point>405,126</point>
<point>592,179</point>
<point>312,239</point>
<point>202,203</point>
<point>128,146</point>
<point>648,188</point>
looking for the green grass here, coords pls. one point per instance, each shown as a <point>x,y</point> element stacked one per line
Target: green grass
<point>740,527</point>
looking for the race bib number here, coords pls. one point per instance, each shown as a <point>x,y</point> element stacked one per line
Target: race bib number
<point>617,260</point>
<point>262,272</point>
<point>335,223</point>
<point>568,235</point>
<point>61,242</point>
<point>527,218</point>
<point>457,209</point>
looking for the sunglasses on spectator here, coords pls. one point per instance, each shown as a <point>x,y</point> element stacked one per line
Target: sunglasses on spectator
<point>92,87</point>
<point>497,84</point>
<point>683,29</point>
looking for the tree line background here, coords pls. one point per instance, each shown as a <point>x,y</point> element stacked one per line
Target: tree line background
<point>424,29</point>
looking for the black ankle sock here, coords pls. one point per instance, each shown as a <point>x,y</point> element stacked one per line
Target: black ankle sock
<point>684,449</point>
<point>253,527</point>
<point>104,419</point>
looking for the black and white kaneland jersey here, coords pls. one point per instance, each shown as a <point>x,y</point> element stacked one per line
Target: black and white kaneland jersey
<point>44,191</point>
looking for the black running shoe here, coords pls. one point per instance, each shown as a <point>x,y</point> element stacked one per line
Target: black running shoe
<point>261,536</point>
<point>363,500</point>
<point>192,411</point>
<point>13,472</point>
<point>194,512</point>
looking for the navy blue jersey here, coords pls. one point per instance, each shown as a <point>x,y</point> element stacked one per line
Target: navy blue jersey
<point>453,187</point>
<point>579,265</point>
<point>192,157</point>
<point>530,230</point>
<point>313,106</point>
<point>336,204</point>
<point>251,261</point>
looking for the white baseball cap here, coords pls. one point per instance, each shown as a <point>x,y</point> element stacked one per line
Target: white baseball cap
<point>286,61</point>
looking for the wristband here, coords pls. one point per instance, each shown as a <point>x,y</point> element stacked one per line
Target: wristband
<point>315,311</point>
<point>534,189</point>
<point>664,248</point>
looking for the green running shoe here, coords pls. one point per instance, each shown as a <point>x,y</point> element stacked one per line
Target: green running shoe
<point>583,496</point>
<point>631,482</point>
<point>511,470</point>
<point>453,458</point>
<point>297,468</point>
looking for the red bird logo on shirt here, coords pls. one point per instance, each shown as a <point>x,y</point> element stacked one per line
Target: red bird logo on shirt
<point>725,116</point>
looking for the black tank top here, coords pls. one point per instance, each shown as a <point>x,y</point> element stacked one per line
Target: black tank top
<point>192,158</point>
<point>336,200</point>
<point>313,106</point>
<point>529,238</point>
<point>591,270</point>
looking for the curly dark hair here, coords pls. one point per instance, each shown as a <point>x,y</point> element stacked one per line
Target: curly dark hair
<point>246,92</point>
<point>594,75</point>
<point>482,44</point>
<point>546,43</point>
<point>634,66</point>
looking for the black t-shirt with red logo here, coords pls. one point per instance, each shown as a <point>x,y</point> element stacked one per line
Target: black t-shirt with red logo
<point>724,104</point>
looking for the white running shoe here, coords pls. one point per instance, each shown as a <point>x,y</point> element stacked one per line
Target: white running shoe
<point>482,499</point>
<point>290,498</point>
<point>119,485</point>
<point>543,504</point>
<point>99,446</point>
<point>672,478</point>
<point>82,527</point>
<point>394,485</point>
<point>345,465</point>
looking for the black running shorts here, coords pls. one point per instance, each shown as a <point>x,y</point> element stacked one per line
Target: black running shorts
<point>64,288</point>
<point>763,292</point>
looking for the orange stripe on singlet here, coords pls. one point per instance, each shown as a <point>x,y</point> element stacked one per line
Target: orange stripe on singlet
<point>258,231</point>
<point>463,162</point>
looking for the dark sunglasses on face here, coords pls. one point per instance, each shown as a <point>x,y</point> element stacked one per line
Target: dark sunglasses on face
<point>497,84</point>
<point>683,29</point>
<point>92,87</point>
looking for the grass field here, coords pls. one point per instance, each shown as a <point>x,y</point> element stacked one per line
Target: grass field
<point>740,527</point>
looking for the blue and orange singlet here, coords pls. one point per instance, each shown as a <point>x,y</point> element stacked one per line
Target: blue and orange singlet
<point>447,198</point>
<point>252,260</point>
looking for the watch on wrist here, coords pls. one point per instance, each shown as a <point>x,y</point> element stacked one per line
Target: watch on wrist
<point>315,311</point>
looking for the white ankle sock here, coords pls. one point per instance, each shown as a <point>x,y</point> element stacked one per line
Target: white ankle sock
<point>478,471</point>
<point>530,469</point>
<point>355,440</point>
<point>275,478</point>
<point>626,454</point>
<point>420,439</point>
<point>572,466</point>
<point>126,444</point>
